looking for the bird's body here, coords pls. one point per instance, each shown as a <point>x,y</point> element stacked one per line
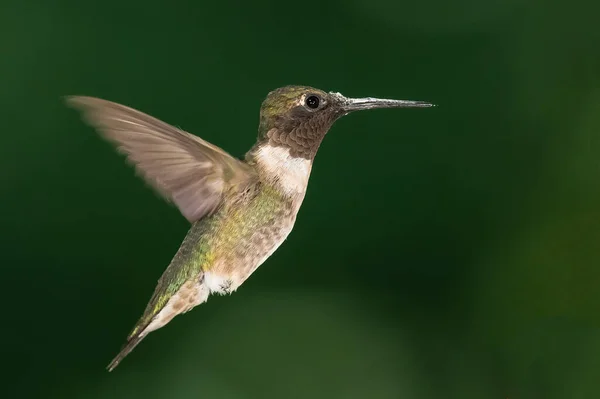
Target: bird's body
<point>220,252</point>
<point>240,211</point>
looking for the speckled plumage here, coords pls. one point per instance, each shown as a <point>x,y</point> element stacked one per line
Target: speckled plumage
<point>241,211</point>
<point>229,244</point>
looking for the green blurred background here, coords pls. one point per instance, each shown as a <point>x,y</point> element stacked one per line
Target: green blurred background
<point>440,253</point>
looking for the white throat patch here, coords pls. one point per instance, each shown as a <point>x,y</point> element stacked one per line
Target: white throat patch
<point>290,173</point>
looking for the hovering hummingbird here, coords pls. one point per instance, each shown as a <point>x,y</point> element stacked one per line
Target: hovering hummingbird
<point>240,211</point>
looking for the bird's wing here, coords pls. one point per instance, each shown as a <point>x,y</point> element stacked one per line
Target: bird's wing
<point>185,169</point>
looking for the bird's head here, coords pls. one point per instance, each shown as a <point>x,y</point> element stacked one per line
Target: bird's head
<point>298,117</point>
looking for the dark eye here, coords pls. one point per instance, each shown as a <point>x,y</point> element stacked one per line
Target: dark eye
<point>312,102</point>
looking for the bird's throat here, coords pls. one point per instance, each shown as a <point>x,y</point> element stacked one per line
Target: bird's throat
<point>277,166</point>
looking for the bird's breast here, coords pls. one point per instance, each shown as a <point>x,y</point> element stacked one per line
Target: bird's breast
<point>246,234</point>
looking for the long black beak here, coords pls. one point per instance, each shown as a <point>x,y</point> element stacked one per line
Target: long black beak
<point>357,104</point>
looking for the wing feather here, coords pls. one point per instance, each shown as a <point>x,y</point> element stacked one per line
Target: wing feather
<point>183,168</point>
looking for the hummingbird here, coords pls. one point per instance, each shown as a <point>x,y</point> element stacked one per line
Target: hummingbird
<point>240,210</point>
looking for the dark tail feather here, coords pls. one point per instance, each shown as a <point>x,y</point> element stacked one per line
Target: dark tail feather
<point>127,348</point>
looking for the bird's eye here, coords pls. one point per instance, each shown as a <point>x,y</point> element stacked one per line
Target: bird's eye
<point>312,102</point>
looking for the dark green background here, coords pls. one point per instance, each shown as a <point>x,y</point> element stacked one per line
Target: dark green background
<point>440,253</point>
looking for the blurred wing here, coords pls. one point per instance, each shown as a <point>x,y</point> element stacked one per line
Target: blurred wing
<point>185,169</point>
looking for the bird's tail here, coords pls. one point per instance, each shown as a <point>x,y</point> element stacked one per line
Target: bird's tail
<point>132,342</point>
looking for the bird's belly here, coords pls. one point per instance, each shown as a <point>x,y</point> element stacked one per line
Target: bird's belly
<point>235,263</point>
